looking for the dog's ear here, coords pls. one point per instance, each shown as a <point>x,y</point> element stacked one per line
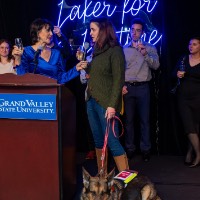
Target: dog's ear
<point>110,177</point>
<point>146,192</point>
<point>86,178</point>
<point>149,192</point>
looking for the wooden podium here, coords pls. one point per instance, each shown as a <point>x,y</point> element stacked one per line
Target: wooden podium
<point>37,156</point>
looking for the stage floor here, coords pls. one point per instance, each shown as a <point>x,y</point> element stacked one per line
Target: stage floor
<point>173,180</point>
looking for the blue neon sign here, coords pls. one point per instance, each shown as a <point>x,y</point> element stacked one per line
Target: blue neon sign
<point>95,9</point>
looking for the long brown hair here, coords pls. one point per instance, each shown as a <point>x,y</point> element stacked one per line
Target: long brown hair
<point>10,57</point>
<point>107,33</point>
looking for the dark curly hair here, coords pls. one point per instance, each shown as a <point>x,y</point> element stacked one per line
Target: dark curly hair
<point>195,38</point>
<point>36,26</point>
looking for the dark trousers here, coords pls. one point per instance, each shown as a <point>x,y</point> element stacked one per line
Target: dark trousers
<point>137,99</point>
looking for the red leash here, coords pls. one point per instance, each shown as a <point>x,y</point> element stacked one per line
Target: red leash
<point>109,122</point>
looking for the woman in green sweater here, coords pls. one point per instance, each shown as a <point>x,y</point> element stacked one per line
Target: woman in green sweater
<point>106,79</point>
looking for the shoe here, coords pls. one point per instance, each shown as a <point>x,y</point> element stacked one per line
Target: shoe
<point>130,154</point>
<point>146,156</point>
<point>188,159</point>
<point>187,163</point>
<point>193,165</point>
<point>90,155</point>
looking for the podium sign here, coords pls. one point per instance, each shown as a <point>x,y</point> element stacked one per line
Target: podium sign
<point>28,106</point>
<point>37,139</point>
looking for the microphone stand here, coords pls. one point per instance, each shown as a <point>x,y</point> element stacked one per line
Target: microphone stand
<point>35,60</point>
<point>36,65</point>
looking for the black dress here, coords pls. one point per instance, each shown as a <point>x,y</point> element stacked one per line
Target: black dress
<point>189,98</point>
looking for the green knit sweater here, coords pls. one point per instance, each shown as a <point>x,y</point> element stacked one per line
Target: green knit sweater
<point>107,75</point>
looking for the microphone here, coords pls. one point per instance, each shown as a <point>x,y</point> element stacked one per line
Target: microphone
<point>36,56</point>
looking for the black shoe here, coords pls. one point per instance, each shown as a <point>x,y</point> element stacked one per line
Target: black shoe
<point>187,163</point>
<point>146,156</point>
<point>189,159</point>
<point>194,165</point>
<point>130,154</point>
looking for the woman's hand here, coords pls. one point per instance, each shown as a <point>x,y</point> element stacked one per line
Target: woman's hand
<point>180,74</point>
<point>81,65</point>
<point>110,113</point>
<point>17,53</point>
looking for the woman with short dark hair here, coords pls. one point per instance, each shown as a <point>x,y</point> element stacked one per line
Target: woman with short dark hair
<point>189,99</point>
<point>39,58</point>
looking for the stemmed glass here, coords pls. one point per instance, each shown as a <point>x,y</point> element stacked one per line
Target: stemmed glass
<point>18,43</point>
<point>182,67</point>
<point>139,41</point>
<point>80,53</point>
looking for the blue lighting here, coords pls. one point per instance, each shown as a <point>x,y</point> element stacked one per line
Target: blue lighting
<point>96,9</point>
<point>61,7</point>
<point>84,34</point>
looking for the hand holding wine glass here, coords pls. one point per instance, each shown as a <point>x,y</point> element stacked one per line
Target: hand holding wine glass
<point>80,53</point>
<point>17,50</point>
<point>139,41</point>
<point>141,47</point>
<point>18,43</point>
<point>181,70</point>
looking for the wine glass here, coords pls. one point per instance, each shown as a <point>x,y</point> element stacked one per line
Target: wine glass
<point>18,43</point>
<point>80,55</point>
<point>138,42</point>
<point>182,68</point>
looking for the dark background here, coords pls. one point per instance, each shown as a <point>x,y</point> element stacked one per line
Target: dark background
<point>177,20</point>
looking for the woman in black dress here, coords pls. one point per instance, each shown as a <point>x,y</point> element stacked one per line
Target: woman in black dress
<point>189,99</point>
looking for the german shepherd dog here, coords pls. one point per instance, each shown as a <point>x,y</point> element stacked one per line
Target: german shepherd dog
<point>105,187</point>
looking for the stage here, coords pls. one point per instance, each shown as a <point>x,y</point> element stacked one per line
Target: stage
<point>173,180</point>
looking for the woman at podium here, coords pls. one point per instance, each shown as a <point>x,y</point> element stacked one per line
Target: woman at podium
<point>41,59</point>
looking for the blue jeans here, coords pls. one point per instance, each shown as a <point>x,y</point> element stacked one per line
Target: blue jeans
<point>98,122</point>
